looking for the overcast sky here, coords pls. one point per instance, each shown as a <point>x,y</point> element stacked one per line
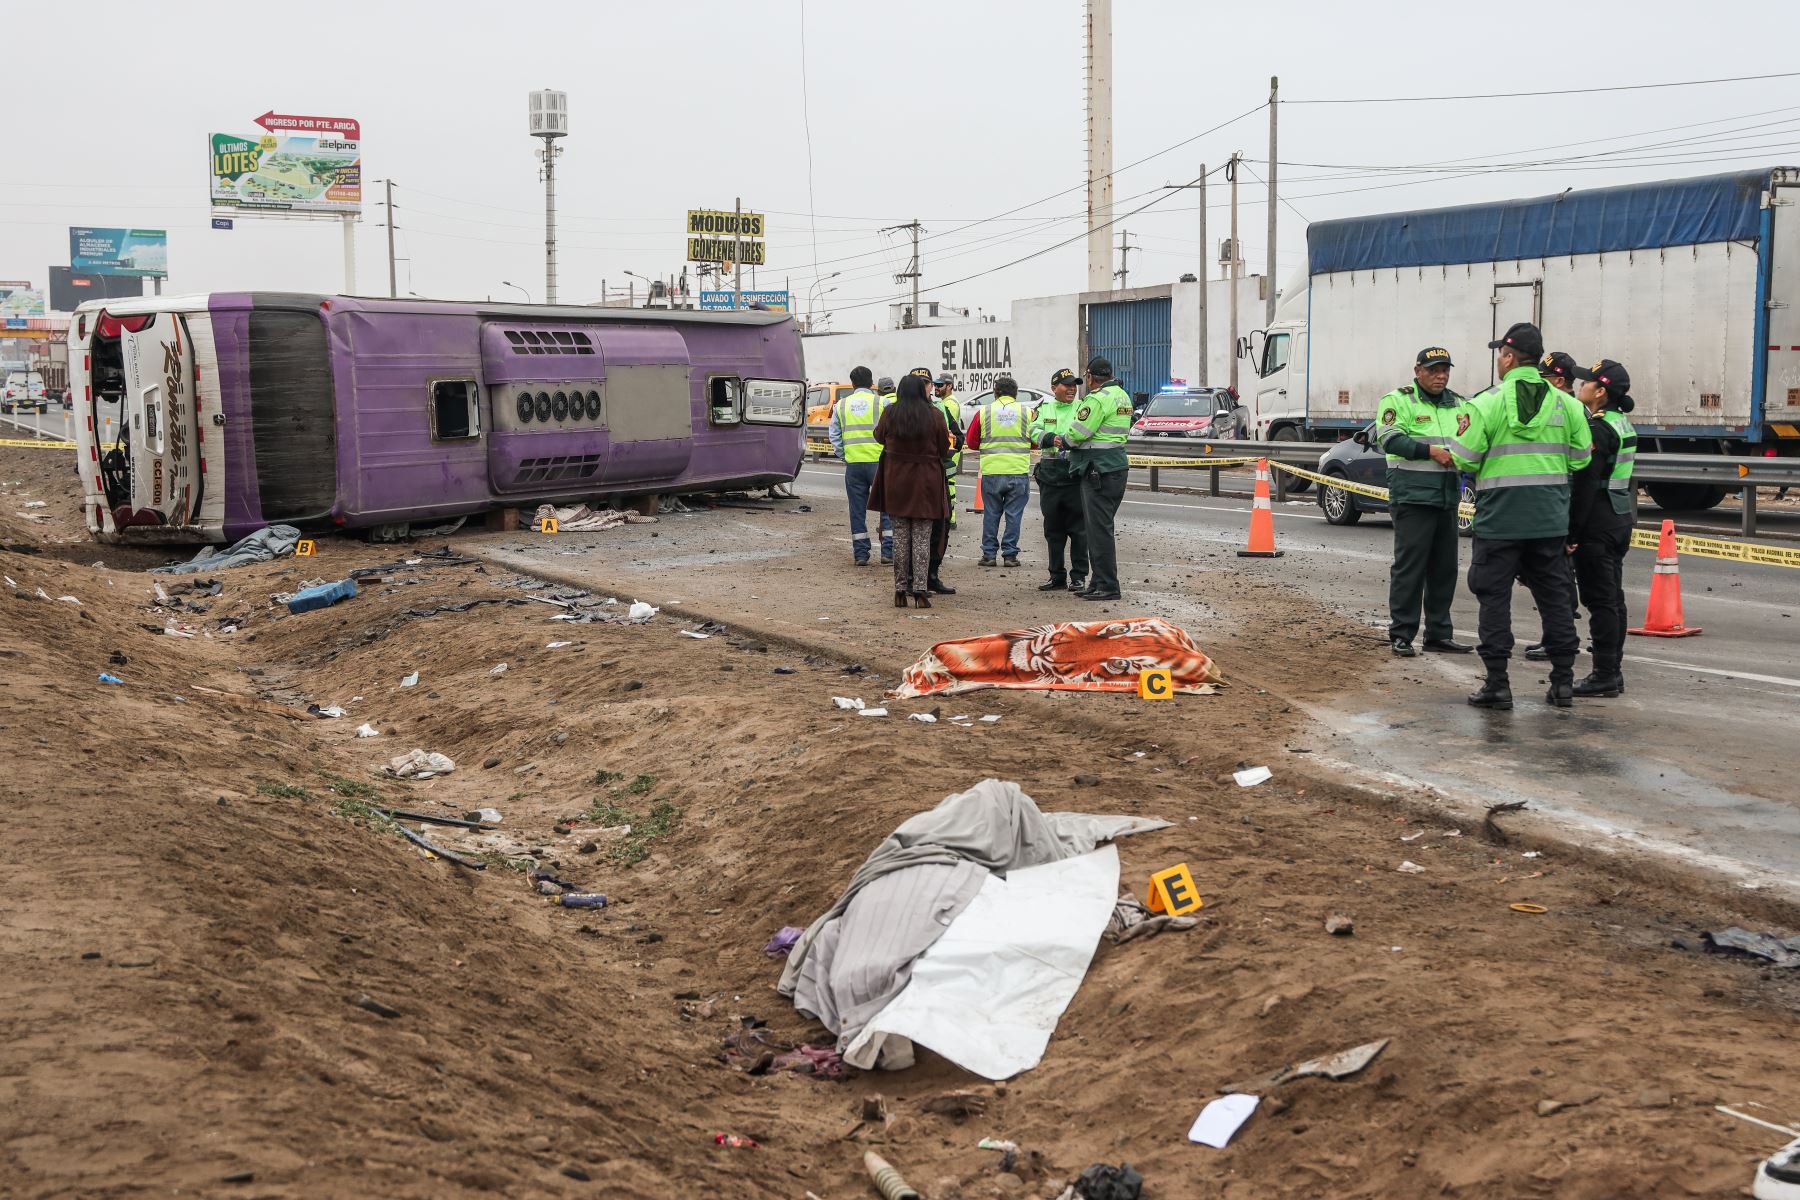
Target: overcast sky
<point>950,111</point>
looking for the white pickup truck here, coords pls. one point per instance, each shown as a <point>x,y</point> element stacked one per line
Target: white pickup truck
<point>1694,284</point>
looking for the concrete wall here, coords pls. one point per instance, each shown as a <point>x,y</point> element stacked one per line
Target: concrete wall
<point>1043,335</point>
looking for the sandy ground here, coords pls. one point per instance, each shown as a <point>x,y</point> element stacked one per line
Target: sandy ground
<point>197,898</point>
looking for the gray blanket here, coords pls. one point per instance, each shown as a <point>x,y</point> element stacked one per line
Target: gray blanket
<point>858,956</point>
<point>260,546</point>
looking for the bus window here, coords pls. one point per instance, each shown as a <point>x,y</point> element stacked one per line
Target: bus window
<point>454,411</point>
<point>723,396</point>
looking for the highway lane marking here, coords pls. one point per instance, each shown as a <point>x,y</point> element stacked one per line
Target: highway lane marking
<point>1778,680</point>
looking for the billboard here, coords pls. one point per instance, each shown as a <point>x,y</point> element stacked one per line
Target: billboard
<point>18,300</point>
<point>706,222</point>
<point>68,288</point>
<point>286,174</point>
<point>143,252</point>
<point>773,301</point>
<point>723,250</point>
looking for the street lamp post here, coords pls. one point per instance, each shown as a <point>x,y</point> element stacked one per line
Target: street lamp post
<point>812,295</point>
<point>549,121</point>
<point>515,287</point>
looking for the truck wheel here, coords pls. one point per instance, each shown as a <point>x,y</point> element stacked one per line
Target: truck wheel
<point>1685,497</point>
<point>1287,433</point>
<point>1339,506</point>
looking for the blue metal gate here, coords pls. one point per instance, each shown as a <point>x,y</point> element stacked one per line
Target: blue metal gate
<point>1134,335</point>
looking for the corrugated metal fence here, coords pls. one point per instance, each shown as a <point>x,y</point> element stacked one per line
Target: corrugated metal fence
<point>1134,335</point>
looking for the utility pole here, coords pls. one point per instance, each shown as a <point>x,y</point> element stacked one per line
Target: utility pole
<point>1099,144</point>
<point>1125,249</point>
<point>1231,173</point>
<point>349,255</point>
<point>737,255</point>
<point>1269,284</point>
<point>549,121</point>
<point>912,270</point>
<point>393,287</point>
<point>1200,379</point>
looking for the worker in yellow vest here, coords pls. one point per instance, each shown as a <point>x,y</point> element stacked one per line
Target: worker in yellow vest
<point>853,421</point>
<point>1000,432</point>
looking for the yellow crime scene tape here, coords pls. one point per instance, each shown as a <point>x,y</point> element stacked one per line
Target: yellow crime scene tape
<point>1642,539</point>
<point>37,444</point>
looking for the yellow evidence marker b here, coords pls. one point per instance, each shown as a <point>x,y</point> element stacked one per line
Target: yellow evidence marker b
<point>1157,683</point>
<point>306,548</point>
<point>1172,891</point>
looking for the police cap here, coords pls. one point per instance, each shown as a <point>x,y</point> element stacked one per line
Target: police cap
<point>1064,376</point>
<point>1435,356</point>
<point>1523,339</point>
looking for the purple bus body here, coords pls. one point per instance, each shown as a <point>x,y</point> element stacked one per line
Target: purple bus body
<point>385,354</point>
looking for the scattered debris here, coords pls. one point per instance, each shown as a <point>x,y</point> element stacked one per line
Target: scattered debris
<point>368,1003</point>
<point>329,712</point>
<point>1409,867</point>
<point>1547,1107</point>
<point>1222,1118</point>
<point>959,1103</point>
<point>557,645</point>
<point>1782,952</point>
<point>1251,776</point>
<point>419,764</point>
<point>990,719</point>
<point>410,680</point>
<point>1341,1065</point>
<point>1490,829</point>
<point>261,546</point>
<point>927,718</point>
<point>418,840</point>
<point>1105,1182</point>
<point>641,612</point>
<point>1533,909</point>
<point>582,900</point>
<point>689,633</point>
<point>1339,926</point>
<point>582,519</point>
<point>847,703</point>
<point>735,1141</point>
<point>887,1180</point>
<point>779,945</point>
<point>872,712</point>
<point>1132,919</point>
<point>366,730</point>
<point>499,669</point>
<point>483,816</point>
<point>105,678</point>
<point>755,1050</point>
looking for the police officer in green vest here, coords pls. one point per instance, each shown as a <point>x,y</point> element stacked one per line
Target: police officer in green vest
<point>1522,439</point>
<point>1600,519</point>
<point>1558,370</point>
<point>853,420</point>
<point>1096,442</point>
<point>1422,494</point>
<point>1059,492</point>
<point>944,388</point>
<point>1000,433</point>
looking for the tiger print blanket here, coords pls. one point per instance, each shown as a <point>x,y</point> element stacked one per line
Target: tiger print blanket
<point>1075,656</point>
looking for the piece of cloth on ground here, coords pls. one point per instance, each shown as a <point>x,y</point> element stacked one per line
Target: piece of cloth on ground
<point>582,519</point>
<point>1133,919</point>
<point>261,546</point>
<point>853,960</point>
<point>1078,656</point>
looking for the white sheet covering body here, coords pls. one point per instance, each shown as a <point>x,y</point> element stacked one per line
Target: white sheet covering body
<point>988,993</point>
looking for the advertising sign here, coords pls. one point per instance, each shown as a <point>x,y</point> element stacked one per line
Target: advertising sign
<point>18,299</point>
<point>705,222</point>
<point>286,174</point>
<point>773,301</point>
<point>68,289</point>
<point>142,252</point>
<point>724,250</point>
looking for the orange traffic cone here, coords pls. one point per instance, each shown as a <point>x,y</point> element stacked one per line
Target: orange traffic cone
<point>1663,617</point>
<point>1262,518</point>
<point>976,507</point>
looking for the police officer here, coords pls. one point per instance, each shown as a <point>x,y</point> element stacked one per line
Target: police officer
<point>1521,439</point>
<point>944,388</point>
<point>1558,370</point>
<point>1096,442</point>
<point>1600,519</point>
<point>853,438</point>
<point>1000,432</point>
<point>1059,492</point>
<point>1423,496</point>
<point>941,527</point>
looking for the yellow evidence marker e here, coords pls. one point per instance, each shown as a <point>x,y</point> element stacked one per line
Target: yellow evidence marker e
<point>1157,683</point>
<point>1172,891</point>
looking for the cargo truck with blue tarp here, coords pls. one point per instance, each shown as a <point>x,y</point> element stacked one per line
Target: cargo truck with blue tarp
<point>1694,284</point>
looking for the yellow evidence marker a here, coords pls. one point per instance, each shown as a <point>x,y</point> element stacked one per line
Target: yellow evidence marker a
<point>306,548</point>
<point>1157,683</point>
<point>1172,891</point>
<point>549,525</point>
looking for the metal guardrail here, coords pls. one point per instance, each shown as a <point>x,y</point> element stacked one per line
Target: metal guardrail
<point>1719,470</point>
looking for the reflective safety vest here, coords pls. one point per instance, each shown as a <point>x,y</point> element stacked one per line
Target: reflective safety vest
<point>1408,422</point>
<point>1618,485</point>
<point>1104,415</point>
<point>1005,446</point>
<point>1523,442</point>
<point>856,417</point>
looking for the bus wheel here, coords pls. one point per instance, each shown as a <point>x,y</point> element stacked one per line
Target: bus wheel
<point>1685,497</point>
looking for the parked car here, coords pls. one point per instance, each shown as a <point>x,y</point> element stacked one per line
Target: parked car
<point>1357,459</point>
<point>1189,412</point>
<point>1029,397</point>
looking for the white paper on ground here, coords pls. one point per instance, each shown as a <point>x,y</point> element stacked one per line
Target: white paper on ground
<point>989,992</point>
<point>1251,776</point>
<point>1222,1118</point>
<point>871,712</point>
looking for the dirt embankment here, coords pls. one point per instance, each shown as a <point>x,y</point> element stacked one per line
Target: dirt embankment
<point>196,897</point>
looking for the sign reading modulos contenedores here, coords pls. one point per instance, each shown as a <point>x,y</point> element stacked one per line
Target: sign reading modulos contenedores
<point>722,237</point>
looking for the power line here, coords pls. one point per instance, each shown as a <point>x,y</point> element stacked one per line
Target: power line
<point>1623,87</point>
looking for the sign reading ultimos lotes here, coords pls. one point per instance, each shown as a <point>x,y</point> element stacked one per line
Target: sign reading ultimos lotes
<point>289,174</point>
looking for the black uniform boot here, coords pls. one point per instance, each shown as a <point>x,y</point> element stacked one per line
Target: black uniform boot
<point>1495,692</point>
<point>1055,585</point>
<point>1561,693</point>
<point>939,586</point>
<point>1536,652</point>
<point>1604,682</point>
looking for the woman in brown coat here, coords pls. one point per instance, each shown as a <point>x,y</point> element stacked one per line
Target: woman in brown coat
<point>909,484</point>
